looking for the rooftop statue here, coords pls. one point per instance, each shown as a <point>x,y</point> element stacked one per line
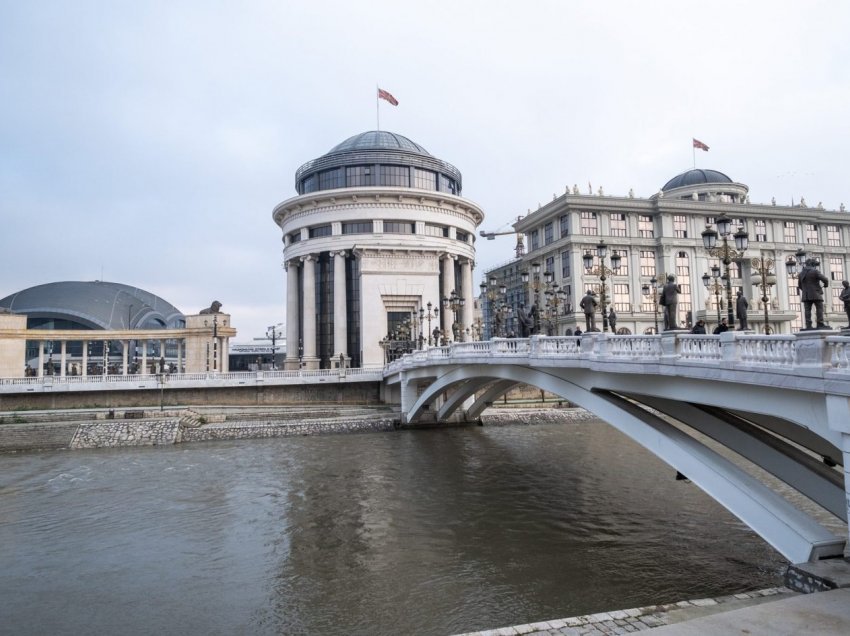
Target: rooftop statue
<point>214,308</point>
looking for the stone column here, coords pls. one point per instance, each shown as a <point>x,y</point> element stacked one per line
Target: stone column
<point>180,366</point>
<point>309,312</point>
<point>40,358</point>
<point>292,318</point>
<point>85,370</point>
<point>340,306</point>
<point>126,345</point>
<point>63,356</point>
<point>446,286</point>
<point>145,357</point>
<point>469,300</point>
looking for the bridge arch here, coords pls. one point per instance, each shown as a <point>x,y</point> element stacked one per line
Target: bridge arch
<point>793,533</point>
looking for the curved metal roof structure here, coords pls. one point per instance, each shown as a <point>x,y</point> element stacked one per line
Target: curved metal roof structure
<point>378,140</point>
<point>696,176</point>
<point>95,305</point>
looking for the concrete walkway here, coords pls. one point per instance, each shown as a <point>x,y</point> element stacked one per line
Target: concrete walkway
<point>774,612</point>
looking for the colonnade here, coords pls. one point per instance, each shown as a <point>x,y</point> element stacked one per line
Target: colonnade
<point>301,320</point>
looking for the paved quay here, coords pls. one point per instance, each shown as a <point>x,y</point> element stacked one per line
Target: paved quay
<point>773,611</point>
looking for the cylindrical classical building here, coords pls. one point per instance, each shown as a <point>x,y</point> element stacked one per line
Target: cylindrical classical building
<point>378,230</point>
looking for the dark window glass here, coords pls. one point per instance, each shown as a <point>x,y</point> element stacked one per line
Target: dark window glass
<point>535,240</point>
<point>352,311</point>
<point>399,227</point>
<point>448,185</point>
<point>425,179</point>
<point>330,179</point>
<point>357,227</point>
<point>565,225</point>
<point>325,309</point>
<point>565,264</point>
<point>295,237</point>
<point>395,176</point>
<point>359,176</point>
<point>463,236</point>
<point>310,184</point>
<point>548,233</point>
<point>321,230</point>
<point>436,230</point>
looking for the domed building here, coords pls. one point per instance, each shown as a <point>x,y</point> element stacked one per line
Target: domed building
<point>662,235</point>
<point>377,233</point>
<point>92,305</point>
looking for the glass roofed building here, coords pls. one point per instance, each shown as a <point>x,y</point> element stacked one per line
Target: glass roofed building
<point>377,231</point>
<point>662,235</point>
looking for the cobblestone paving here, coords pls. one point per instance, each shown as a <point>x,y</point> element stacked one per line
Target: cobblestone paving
<point>634,620</point>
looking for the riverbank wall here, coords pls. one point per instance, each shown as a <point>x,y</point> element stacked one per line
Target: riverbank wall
<point>110,428</point>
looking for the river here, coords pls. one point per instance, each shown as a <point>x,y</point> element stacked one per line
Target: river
<point>413,532</point>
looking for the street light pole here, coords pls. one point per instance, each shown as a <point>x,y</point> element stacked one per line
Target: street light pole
<point>726,253</point>
<point>602,271</point>
<point>764,279</point>
<point>794,267</point>
<point>652,288</point>
<point>714,287</point>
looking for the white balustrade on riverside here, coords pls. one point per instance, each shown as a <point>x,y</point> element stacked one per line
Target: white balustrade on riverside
<point>839,352</point>
<point>557,346</point>
<point>635,347</point>
<point>779,351</point>
<point>698,347</point>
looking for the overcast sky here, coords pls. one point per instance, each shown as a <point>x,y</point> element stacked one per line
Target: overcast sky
<point>147,142</point>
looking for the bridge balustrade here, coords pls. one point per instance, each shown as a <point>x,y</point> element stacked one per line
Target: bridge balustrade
<point>767,350</point>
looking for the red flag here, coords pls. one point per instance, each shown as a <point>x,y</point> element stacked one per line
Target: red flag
<point>700,145</point>
<point>387,96</point>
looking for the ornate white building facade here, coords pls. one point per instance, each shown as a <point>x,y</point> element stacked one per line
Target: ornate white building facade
<point>377,232</point>
<point>662,235</point>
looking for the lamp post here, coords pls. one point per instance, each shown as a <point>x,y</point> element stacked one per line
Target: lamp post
<point>532,282</point>
<point>726,253</point>
<point>714,287</point>
<point>764,280</point>
<point>432,313</point>
<point>651,289</point>
<point>603,272</point>
<point>455,303</point>
<point>273,334</point>
<point>794,267</point>
<point>554,296</point>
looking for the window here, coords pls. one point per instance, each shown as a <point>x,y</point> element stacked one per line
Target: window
<point>535,240</point>
<point>424,179</point>
<point>618,224</point>
<point>310,184</point>
<point>647,263</point>
<point>548,233</point>
<point>295,237</point>
<point>794,300</point>
<point>359,176</point>
<point>645,226</point>
<point>621,299</point>
<point>448,185</point>
<point>836,269</point>
<point>589,225</point>
<point>790,232</point>
<point>436,230</point>
<point>395,176</point>
<point>680,226</point>
<point>564,223</point>
<point>462,236</point>
<point>811,234</point>
<point>833,236</point>
<point>399,227</point>
<point>330,179</point>
<point>624,261</point>
<point>761,230</point>
<point>565,264</point>
<point>321,230</point>
<point>683,277</point>
<point>357,227</point>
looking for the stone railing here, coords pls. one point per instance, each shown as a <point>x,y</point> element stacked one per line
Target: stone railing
<point>807,350</point>
<point>187,380</point>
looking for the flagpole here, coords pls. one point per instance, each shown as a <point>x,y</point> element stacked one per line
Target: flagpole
<point>694,151</point>
<point>377,107</point>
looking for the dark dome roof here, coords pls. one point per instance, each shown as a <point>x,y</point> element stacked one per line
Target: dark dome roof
<point>696,177</point>
<point>97,305</point>
<point>378,140</point>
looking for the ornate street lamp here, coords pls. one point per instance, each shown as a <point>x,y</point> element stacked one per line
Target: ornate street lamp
<point>455,303</point>
<point>764,280</point>
<point>603,272</point>
<point>726,253</point>
<point>794,267</point>
<point>713,286</point>
<point>651,289</point>
<point>431,315</point>
<point>273,333</point>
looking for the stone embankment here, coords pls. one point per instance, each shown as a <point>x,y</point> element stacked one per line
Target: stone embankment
<point>116,429</point>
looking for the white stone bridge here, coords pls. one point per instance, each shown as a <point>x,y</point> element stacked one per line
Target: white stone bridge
<point>780,402</point>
